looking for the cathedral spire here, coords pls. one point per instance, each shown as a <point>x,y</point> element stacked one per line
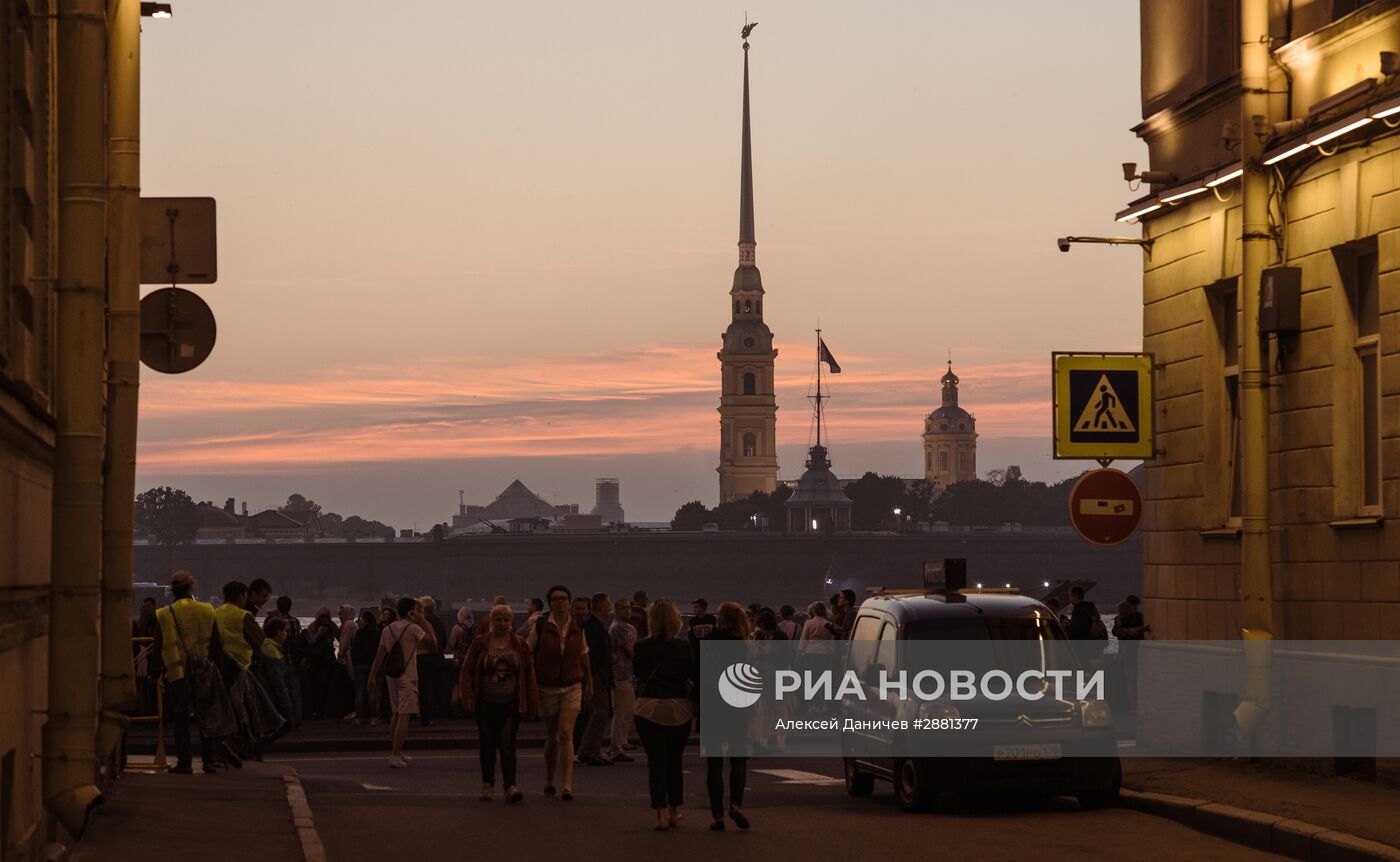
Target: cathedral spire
<point>746,240</point>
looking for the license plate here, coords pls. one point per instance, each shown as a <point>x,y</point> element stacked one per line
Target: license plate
<point>1049,751</point>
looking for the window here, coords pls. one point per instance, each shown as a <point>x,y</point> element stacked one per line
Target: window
<point>1365,308</point>
<point>758,306</point>
<point>750,444</point>
<point>1343,8</point>
<point>750,383</point>
<point>1356,384</point>
<point>943,459</point>
<point>1229,329</point>
<point>748,306</point>
<point>736,306</point>
<point>962,460</point>
<point>1220,424</point>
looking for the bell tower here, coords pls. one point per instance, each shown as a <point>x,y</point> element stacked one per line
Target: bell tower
<point>748,409</point>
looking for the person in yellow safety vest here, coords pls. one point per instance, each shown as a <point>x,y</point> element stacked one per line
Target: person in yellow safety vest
<point>241,639</point>
<point>186,627</point>
<point>238,631</point>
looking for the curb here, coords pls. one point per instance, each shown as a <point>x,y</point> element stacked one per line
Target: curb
<point>1267,832</point>
<point>311,847</point>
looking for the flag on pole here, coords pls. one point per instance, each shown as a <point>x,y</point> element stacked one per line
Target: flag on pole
<point>824,355</point>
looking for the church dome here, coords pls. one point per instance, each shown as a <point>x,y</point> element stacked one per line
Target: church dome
<point>949,420</point>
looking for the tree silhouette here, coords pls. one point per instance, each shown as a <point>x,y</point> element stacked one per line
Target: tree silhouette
<point>169,516</point>
<point>298,503</point>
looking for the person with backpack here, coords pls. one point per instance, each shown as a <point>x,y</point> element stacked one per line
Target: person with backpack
<point>560,654</point>
<point>398,647</point>
<point>497,685</point>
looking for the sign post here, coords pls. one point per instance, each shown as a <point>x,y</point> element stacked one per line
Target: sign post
<point>1103,412</point>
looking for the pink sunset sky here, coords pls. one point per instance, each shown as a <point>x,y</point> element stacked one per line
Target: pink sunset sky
<point>460,246</point>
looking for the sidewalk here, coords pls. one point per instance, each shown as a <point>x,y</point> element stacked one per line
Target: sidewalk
<point>335,735</point>
<point>158,816</point>
<point>1306,816</point>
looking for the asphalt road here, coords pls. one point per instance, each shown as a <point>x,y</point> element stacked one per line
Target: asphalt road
<point>798,808</point>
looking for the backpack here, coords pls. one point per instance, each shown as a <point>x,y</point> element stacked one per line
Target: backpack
<point>1097,630</point>
<point>394,665</point>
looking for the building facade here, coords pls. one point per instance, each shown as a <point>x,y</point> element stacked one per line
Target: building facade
<point>950,439</point>
<point>1332,359</point>
<point>748,407</point>
<point>28,259</point>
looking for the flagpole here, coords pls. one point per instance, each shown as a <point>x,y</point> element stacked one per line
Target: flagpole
<point>819,387</point>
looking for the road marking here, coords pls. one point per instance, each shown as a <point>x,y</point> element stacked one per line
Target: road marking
<point>797,776</point>
<point>1127,743</point>
<point>311,847</point>
<point>376,787</point>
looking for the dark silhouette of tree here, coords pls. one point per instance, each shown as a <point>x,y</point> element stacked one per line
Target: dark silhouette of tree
<point>874,499</point>
<point>359,528</point>
<point>691,516</point>
<point>736,514</point>
<point>982,503</point>
<point>169,516</point>
<point>298,503</point>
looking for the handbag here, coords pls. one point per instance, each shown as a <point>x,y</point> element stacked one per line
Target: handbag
<point>394,664</point>
<point>201,674</point>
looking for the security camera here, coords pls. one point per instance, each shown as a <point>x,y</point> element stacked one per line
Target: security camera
<point>1063,243</point>
<point>1230,134</point>
<point>1390,63</point>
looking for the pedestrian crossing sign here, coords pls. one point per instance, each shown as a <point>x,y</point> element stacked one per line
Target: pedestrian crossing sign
<point>1103,405</point>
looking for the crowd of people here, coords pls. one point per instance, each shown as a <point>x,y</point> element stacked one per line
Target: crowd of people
<point>593,671</point>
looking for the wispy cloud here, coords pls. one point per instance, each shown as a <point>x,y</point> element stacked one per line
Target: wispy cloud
<point>643,400</point>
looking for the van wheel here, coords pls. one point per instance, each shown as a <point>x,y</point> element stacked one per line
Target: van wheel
<point>1105,797</point>
<point>911,786</point>
<point>858,783</point>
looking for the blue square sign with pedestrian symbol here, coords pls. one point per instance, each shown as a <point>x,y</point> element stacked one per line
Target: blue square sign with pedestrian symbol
<point>1103,405</point>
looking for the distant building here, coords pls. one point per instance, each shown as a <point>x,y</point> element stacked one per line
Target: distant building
<point>216,523</point>
<point>515,503</point>
<point>276,524</point>
<point>950,439</point>
<point>609,501</point>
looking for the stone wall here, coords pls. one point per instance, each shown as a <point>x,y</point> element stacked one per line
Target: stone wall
<point>772,569</point>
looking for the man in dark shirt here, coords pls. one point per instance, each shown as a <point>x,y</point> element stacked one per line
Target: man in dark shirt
<point>259,591</point>
<point>595,633</point>
<point>702,622</point>
<point>1083,614</point>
